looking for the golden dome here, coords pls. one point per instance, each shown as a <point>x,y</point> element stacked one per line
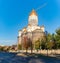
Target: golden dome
<point>33,13</point>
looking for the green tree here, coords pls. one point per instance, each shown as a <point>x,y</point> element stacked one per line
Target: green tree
<point>48,38</point>
<point>58,38</point>
<point>50,45</point>
<point>53,39</point>
<point>1,48</point>
<point>37,44</point>
<point>43,44</point>
<point>19,47</point>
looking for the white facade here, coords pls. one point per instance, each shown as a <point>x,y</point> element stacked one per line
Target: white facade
<point>32,24</point>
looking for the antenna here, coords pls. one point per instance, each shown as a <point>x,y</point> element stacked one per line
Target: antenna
<point>41,6</point>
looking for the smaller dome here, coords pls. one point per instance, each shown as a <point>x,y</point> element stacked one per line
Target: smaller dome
<point>29,24</point>
<point>33,13</point>
<point>25,29</point>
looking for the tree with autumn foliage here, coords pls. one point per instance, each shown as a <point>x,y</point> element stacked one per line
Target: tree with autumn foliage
<point>30,44</point>
<point>25,43</point>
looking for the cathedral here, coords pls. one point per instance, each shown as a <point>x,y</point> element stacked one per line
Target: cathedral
<point>32,31</point>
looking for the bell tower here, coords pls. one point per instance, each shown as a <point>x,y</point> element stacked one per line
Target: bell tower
<point>33,18</point>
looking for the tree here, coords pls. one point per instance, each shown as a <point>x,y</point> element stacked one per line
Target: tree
<point>30,44</point>
<point>53,39</point>
<point>43,44</point>
<point>58,38</point>
<point>37,44</point>
<point>48,38</point>
<point>51,42</point>
<point>19,47</point>
<point>50,45</point>
<point>1,48</point>
<point>26,43</point>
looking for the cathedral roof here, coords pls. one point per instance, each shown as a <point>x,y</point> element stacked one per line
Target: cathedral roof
<point>24,29</point>
<point>33,13</point>
<point>29,24</point>
<point>42,26</point>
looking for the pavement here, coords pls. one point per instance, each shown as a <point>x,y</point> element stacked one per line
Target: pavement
<point>6,57</point>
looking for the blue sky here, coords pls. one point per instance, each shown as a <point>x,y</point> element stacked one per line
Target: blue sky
<point>14,16</point>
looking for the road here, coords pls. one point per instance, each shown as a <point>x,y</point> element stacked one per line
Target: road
<point>6,57</point>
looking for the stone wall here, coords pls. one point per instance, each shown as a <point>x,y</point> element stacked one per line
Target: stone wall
<point>43,51</point>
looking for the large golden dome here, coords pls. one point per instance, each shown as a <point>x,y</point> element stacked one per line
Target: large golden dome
<point>33,13</point>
